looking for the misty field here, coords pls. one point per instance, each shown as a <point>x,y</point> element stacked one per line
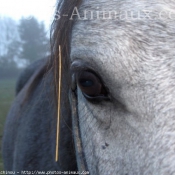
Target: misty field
<point>7,93</point>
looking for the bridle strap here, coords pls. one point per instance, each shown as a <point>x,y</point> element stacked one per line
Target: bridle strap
<point>81,163</point>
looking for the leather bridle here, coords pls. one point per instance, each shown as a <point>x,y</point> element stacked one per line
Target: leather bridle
<point>80,158</point>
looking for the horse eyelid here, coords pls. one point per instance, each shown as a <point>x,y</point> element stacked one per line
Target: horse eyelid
<point>79,71</point>
<point>78,67</point>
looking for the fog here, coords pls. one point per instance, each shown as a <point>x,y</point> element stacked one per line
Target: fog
<point>11,44</point>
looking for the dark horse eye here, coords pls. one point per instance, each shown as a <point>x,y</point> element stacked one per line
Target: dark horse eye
<point>91,85</point>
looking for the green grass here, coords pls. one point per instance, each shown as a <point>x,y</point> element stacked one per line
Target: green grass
<point>7,93</point>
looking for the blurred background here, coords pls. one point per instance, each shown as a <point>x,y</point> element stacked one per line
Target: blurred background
<point>24,38</point>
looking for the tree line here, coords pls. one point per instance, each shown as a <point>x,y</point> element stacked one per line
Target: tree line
<point>21,43</point>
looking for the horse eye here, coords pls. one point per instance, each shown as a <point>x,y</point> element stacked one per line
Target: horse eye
<point>90,85</point>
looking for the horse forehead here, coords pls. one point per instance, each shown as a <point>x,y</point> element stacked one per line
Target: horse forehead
<point>134,41</point>
<point>117,3</point>
<point>126,15</point>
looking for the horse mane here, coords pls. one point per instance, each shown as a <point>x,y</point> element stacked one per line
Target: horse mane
<point>61,35</point>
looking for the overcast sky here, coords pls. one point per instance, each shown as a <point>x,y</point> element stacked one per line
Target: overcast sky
<point>42,9</point>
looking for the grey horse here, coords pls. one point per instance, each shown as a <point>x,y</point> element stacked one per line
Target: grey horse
<point>119,58</point>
